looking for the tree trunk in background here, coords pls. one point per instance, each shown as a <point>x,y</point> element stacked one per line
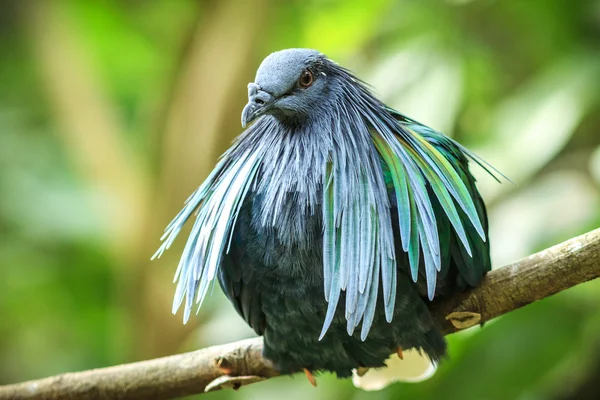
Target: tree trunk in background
<point>94,138</point>
<point>200,124</point>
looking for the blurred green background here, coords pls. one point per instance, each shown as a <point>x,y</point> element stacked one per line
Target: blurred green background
<point>112,112</point>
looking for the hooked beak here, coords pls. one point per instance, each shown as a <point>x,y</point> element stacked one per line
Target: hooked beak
<point>259,102</point>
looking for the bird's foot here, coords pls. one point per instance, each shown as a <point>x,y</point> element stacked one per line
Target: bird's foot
<point>232,382</point>
<point>223,365</point>
<point>399,352</point>
<point>311,377</point>
<point>227,380</point>
<point>464,319</point>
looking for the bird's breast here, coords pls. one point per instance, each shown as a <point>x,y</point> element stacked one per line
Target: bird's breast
<point>289,248</point>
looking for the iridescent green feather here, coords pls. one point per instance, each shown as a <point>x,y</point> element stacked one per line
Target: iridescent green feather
<point>404,201</point>
<point>410,161</point>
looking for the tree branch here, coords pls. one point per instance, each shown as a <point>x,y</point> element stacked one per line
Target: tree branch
<point>503,290</point>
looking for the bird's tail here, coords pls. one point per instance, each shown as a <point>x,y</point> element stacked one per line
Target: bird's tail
<point>414,366</point>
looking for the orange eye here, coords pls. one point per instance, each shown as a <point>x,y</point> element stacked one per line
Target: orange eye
<point>306,79</point>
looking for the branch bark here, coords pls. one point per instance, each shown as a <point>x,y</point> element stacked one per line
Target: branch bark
<point>503,290</point>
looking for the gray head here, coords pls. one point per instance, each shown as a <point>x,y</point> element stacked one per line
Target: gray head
<point>288,85</point>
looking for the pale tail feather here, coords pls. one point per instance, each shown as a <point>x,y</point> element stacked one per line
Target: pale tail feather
<point>415,367</point>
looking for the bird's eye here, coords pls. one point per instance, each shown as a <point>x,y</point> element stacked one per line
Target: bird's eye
<point>306,79</point>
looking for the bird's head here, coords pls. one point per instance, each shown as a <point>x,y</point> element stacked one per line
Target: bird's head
<point>289,84</point>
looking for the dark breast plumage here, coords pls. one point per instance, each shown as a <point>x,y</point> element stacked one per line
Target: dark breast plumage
<point>278,289</point>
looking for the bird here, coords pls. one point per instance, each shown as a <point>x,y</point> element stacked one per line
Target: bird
<point>331,223</point>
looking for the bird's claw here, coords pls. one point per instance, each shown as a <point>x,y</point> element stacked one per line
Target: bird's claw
<point>223,365</point>
<point>232,382</point>
<point>463,319</point>
<point>311,377</point>
<point>227,380</point>
<point>399,352</point>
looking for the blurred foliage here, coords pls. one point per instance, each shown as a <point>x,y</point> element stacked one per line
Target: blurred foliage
<point>111,112</point>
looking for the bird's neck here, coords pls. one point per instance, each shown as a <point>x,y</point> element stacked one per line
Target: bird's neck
<point>289,184</point>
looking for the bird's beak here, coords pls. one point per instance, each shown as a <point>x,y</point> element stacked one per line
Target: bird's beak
<point>259,102</point>
<point>251,112</point>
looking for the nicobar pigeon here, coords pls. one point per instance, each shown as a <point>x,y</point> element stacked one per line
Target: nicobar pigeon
<point>331,222</point>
